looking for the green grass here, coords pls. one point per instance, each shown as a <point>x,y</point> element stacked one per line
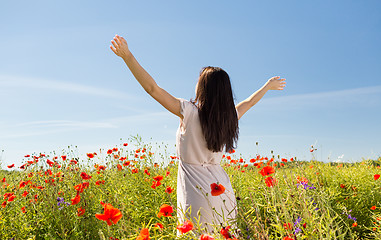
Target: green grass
<point>338,190</point>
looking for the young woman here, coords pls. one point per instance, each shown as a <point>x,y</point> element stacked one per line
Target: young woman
<point>208,126</point>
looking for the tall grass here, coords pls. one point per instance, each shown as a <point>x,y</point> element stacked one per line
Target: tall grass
<point>308,200</point>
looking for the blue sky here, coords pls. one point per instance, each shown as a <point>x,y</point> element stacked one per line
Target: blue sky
<point>61,85</point>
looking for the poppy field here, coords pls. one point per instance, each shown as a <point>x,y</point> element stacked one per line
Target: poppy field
<point>129,192</point>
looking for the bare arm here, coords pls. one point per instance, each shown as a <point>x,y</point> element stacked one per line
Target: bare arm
<point>274,83</point>
<point>120,48</point>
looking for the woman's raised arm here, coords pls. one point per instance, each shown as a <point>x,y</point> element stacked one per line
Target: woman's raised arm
<point>274,83</point>
<point>120,48</point>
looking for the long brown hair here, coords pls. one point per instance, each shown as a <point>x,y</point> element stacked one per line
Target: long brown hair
<point>217,113</point>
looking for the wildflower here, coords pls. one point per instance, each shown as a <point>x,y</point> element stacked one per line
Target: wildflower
<point>185,227</point>
<point>23,184</point>
<point>158,178</point>
<point>206,237</point>
<point>125,144</point>
<point>155,184</point>
<point>167,173</point>
<point>23,209</point>
<point>135,170</point>
<point>110,215</point>
<point>267,170</point>
<point>342,186</point>
<point>126,163</point>
<point>144,234</point>
<point>61,201</point>
<point>287,226</point>
<point>270,181</point>
<point>146,172</point>
<point>11,198</point>
<point>109,151</point>
<point>120,168</point>
<point>225,232</point>
<point>4,204</point>
<point>304,225</point>
<point>217,189</point>
<point>25,193</point>
<point>165,210</point>
<point>11,166</point>
<point>115,149</point>
<point>159,225</point>
<point>373,208</point>
<point>90,155</point>
<point>354,224</point>
<point>287,238</point>
<point>63,157</point>
<point>376,176</point>
<point>80,211</point>
<point>76,199</point>
<point>169,190</point>
<point>85,176</point>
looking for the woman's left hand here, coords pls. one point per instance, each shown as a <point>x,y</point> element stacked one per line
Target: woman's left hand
<point>119,46</point>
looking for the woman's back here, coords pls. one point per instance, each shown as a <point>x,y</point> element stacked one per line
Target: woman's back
<point>198,169</point>
<point>190,141</point>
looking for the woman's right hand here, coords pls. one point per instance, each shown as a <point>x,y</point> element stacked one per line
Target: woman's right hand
<point>120,47</point>
<point>276,83</point>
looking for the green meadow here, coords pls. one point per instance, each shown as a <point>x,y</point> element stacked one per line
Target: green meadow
<point>58,196</point>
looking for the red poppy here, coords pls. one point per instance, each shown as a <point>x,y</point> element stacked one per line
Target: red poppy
<point>167,173</point>
<point>25,193</point>
<point>304,225</point>
<point>11,198</point>
<point>126,163</point>
<point>109,151</point>
<point>90,155</point>
<point>11,166</point>
<point>169,190</point>
<point>73,162</point>
<point>110,215</point>
<point>354,224</point>
<point>85,176</point>
<point>376,176</point>
<point>342,186</point>
<point>3,180</point>
<point>99,182</point>
<point>144,234</point>
<point>23,184</point>
<point>63,157</point>
<point>23,209</point>
<point>115,149</point>
<point>287,238</point>
<point>76,199</point>
<point>287,226</point>
<point>4,204</point>
<point>270,181</point>
<point>159,225</point>
<point>27,156</point>
<point>135,170</point>
<point>165,211</point>
<point>185,227</point>
<point>231,151</point>
<point>80,211</point>
<point>267,170</point>
<point>158,178</point>
<point>217,189</point>
<point>225,232</point>
<point>155,184</point>
<point>206,237</point>
<point>146,172</point>
<point>372,208</point>
<point>125,144</point>
<point>101,167</point>
<point>120,168</point>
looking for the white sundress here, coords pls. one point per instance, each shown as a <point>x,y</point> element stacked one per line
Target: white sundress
<point>198,169</point>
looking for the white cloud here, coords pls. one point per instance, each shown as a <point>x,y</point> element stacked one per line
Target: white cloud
<point>53,85</point>
<point>359,95</point>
